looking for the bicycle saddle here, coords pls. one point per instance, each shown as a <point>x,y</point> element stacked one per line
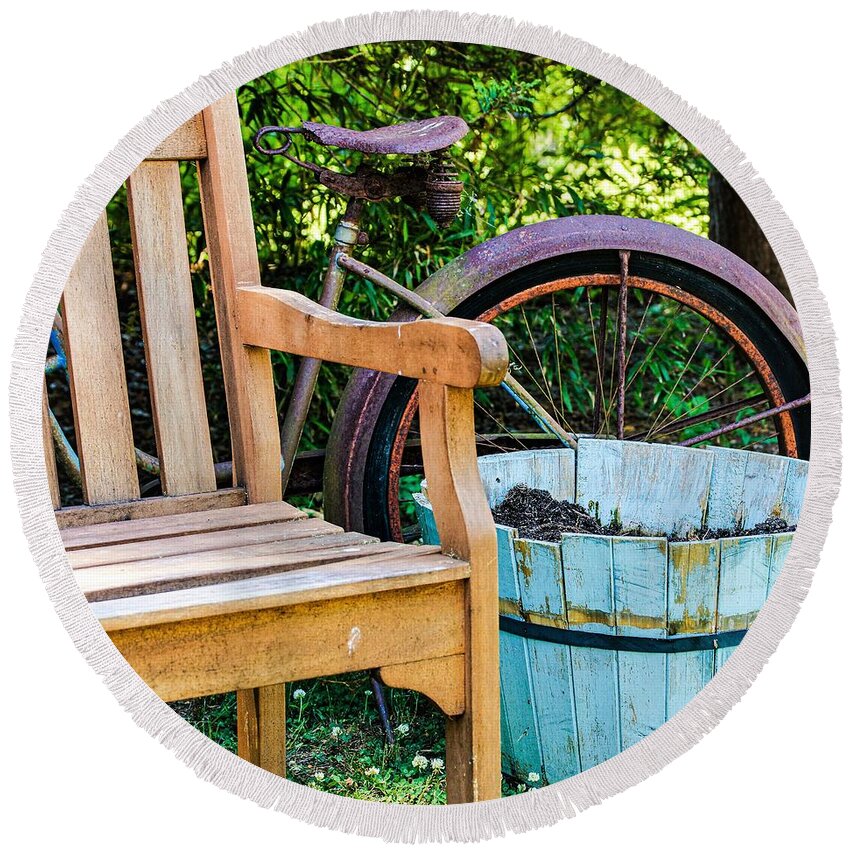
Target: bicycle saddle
<point>412,137</point>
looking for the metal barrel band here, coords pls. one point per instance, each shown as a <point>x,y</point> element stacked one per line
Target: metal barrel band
<point>621,643</point>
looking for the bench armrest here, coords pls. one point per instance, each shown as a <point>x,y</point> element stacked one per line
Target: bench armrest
<point>453,352</point>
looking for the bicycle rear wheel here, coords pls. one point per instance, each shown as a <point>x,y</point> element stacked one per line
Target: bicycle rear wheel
<point>700,356</point>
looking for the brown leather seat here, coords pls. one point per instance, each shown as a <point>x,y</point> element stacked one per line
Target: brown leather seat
<point>430,134</point>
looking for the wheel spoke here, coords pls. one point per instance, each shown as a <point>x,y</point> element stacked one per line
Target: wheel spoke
<point>747,420</point>
<point>558,361</point>
<point>599,350</point>
<point>678,380</point>
<point>713,396</point>
<point>706,416</point>
<point>707,373</point>
<point>498,423</point>
<point>622,329</point>
<point>545,388</point>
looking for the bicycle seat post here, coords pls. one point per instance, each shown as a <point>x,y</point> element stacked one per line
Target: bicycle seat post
<point>347,236</point>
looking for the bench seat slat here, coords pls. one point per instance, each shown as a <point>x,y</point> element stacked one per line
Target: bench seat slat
<point>158,575</point>
<point>174,525</point>
<point>392,570</point>
<point>192,544</point>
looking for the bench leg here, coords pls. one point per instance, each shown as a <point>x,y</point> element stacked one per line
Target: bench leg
<point>473,745</point>
<point>261,727</point>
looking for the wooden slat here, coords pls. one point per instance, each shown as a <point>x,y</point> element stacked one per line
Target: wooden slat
<point>174,525</point>
<point>168,574</point>
<point>693,572</point>
<point>653,488</point>
<point>748,488</point>
<point>590,608</point>
<point>744,574</point>
<point>81,516</point>
<point>195,544</point>
<point>239,651</point>
<point>96,373</point>
<point>781,548</point>
<point>795,491</point>
<point>640,603</point>
<point>232,248</point>
<point>49,450</point>
<point>164,285</point>
<point>310,585</point>
<point>517,698</point>
<point>186,142</point>
<point>540,576</point>
<point>550,469</point>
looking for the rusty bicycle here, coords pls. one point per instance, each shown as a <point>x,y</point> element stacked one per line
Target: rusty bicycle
<point>635,284</point>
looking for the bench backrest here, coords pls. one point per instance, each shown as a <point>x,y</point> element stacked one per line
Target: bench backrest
<point>93,341</point>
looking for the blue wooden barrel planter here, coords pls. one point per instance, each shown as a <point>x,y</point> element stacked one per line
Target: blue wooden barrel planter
<point>603,638</point>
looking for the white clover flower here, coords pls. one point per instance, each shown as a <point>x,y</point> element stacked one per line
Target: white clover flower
<point>336,732</point>
<point>420,762</point>
<point>372,771</point>
<point>521,787</point>
<point>533,777</point>
<point>319,775</point>
<point>299,694</point>
<point>403,728</point>
<point>437,764</point>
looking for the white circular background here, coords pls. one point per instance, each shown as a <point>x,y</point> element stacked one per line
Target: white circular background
<point>517,813</point>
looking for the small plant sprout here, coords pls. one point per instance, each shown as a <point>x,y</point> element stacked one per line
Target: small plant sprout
<point>420,762</point>
<point>533,777</point>
<point>298,693</point>
<point>437,765</point>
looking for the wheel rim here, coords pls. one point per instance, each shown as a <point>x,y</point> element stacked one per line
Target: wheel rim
<point>721,326</point>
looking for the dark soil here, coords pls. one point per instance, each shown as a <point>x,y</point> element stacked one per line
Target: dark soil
<point>537,515</point>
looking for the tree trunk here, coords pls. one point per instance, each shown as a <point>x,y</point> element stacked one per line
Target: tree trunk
<point>732,225</point>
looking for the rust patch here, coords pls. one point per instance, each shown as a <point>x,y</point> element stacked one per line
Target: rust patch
<point>523,560</point>
<point>733,622</point>
<point>579,616</point>
<point>541,619</point>
<point>700,622</point>
<point>628,619</point>
<point>509,607</point>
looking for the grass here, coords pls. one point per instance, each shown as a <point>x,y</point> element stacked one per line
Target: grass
<point>335,741</point>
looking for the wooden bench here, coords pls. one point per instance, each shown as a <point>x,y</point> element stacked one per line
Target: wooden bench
<point>208,590</point>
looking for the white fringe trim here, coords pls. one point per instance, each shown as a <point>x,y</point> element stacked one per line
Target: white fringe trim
<point>398,822</point>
